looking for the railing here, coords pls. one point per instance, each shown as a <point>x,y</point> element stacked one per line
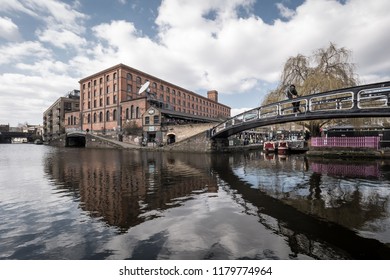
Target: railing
<point>372,96</point>
<point>346,142</point>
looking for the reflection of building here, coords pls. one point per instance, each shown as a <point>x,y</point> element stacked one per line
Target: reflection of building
<point>111,97</point>
<point>54,116</point>
<point>123,187</point>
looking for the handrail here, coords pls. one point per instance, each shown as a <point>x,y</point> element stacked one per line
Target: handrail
<point>351,99</point>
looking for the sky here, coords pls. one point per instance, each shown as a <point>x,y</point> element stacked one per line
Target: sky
<point>237,47</point>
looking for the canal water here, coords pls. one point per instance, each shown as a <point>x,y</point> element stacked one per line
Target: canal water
<point>64,203</point>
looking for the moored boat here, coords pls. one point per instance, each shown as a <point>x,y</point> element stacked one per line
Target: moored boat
<point>283,147</point>
<point>269,147</point>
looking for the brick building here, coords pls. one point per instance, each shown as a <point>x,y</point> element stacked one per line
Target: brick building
<point>54,120</point>
<point>111,97</point>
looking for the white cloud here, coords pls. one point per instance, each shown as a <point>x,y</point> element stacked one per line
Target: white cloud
<point>9,30</point>
<point>14,52</point>
<point>30,96</point>
<point>201,45</point>
<point>284,11</point>
<point>62,38</point>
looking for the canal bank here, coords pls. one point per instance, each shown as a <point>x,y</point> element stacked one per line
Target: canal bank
<point>201,143</point>
<point>348,153</point>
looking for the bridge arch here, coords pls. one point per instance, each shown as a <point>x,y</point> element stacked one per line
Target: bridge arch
<point>75,139</point>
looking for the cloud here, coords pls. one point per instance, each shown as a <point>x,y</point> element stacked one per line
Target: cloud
<point>284,11</point>
<point>29,51</point>
<point>9,30</point>
<point>199,45</point>
<point>30,96</point>
<point>63,39</point>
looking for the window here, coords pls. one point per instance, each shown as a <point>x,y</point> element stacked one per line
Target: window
<point>127,113</point>
<point>94,118</point>
<point>89,118</point>
<point>101,102</point>
<point>100,80</point>
<point>108,116</point>
<point>129,89</point>
<point>108,100</point>
<point>129,77</point>
<point>114,100</point>
<point>107,78</point>
<point>138,80</point>
<point>132,112</point>
<point>114,76</point>
<point>137,112</point>
<point>114,87</point>
<point>101,117</point>
<point>107,89</point>
<point>114,115</point>
<point>94,82</point>
<point>147,120</point>
<point>156,119</point>
<point>94,103</point>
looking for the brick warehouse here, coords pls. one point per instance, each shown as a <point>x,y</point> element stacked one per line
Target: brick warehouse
<point>111,97</point>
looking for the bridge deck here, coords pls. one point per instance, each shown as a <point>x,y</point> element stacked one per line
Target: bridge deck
<point>372,100</point>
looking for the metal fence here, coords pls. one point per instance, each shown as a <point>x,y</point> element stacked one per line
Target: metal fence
<point>346,142</point>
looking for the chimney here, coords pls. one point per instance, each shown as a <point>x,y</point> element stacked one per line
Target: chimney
<point>213,95</point>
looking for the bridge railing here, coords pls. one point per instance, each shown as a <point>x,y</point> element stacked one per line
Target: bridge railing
<point>372,96</point>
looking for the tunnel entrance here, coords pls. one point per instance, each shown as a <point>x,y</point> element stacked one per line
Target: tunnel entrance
<point>75,141</point>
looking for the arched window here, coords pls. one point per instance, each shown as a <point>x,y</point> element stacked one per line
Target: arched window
<point>129,77</point>
<point>132,112</point>
<point>69,121</point>
<point>114,115</point>
<point>138,80</point>
<point>108,116</point>
<point>94,117</point>
<point>137,112</point>
<point>127,113</point>
<point>101,117</point>
<point>89,118</point>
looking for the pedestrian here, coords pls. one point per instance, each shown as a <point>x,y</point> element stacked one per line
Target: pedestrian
<point>292,93</point>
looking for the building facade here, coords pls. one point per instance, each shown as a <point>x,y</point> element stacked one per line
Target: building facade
<point>54,121</point>
<point>111,97</point>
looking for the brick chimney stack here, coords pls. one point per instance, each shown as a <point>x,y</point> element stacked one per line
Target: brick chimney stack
<point>213,95</point>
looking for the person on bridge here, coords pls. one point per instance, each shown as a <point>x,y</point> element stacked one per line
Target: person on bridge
<point>292,93</point>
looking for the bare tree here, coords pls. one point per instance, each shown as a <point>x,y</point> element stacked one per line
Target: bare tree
<point>327,69</point>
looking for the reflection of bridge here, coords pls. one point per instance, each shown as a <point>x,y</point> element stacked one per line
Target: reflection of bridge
<point>371,100</point>
<point>294,222</point>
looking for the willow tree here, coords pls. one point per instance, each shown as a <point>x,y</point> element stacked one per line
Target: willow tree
<point>327,69</point>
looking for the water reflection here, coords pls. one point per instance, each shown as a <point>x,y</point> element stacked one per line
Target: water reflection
<point>129,187</point>
<point>112,204</point>
<point>315,206</point>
